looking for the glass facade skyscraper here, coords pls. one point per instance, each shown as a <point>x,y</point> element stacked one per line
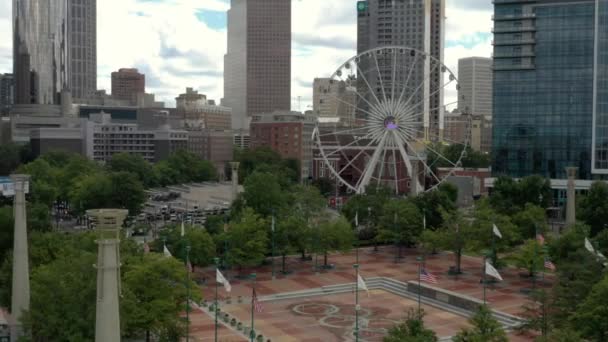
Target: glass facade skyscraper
<point>600,114</point>
<point>544,67</point>
<point>39,50</point>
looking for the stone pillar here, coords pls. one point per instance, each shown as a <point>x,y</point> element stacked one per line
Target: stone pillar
<point>571,196</point>
<point>20,299</point>
<point>235,179</point>
<point>107,317</point>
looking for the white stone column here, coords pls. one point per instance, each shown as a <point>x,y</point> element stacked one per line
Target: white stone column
<point>20,299</point>
<point>571,196</point>
<point>235,180</point>
<point>107,317</point>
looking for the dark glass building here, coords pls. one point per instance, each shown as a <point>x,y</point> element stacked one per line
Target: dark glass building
<point>600,113</point>
<point>549,77</point>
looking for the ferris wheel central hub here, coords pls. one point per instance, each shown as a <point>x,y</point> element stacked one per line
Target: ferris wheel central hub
<point>390,123</point>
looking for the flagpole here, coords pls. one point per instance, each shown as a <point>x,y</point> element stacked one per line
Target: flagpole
<point>493,246</point>
<point>484,280</point>
<point>356,266</point>
<point>188,294</point>
<point>419,286</point>
<point>534,258</point>
<point>252,333</point>
<point>272,233</point>
<point>216,261</point>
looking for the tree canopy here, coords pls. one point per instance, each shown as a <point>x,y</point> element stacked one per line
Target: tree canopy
<point>593,208</point>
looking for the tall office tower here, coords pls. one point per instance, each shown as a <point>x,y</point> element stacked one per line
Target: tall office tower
<point>40,51</point>
<point>475,80</point>
<point>550,86</point>
<point>416,24</point>
<point>7,91</point>
<point>82,54</point>
<point>333,99</point>
<point>257,66</point>
<point>127,83</point>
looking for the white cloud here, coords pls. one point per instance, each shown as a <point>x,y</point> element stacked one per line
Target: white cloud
<point>168,42</point>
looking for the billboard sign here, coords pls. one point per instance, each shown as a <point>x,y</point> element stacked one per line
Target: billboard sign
<point>8,187</point>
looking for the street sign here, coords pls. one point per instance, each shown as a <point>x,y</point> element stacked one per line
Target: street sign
<point>8,187</point>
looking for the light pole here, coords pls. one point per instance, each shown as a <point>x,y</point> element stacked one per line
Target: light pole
<point>419,259</point>
<point>215,307</point>
<point>188,293</point>
<point>252,333</point>
<point>356,267</point>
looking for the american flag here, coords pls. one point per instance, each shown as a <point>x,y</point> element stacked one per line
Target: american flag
<point>256,303</point>
<point>549,265</point>
<point>427,276</point>
<point>540,238</point>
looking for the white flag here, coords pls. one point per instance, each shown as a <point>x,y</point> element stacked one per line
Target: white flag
<point>491,271</point>
<point>424,221</point>
<point>361,284</point>
<point>357,219</point>
<point>183,229</point>
<point>602,256</point>
<point>166,252</point>
<point>589,246</point>
<point>496,231</point>
<point>219,277</point>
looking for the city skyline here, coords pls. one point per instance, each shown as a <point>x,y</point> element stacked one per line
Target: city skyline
<point>189,52</point>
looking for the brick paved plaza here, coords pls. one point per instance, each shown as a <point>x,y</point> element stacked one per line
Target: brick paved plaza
<point>330,318</point>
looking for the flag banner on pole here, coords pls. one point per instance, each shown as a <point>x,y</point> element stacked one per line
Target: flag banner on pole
<point>256,303</point>
<point>549,265</point>
<point>219,277</point>
<point>589,246</point>
<point>600,255</point>
<point>357,219</point>
<point>540,238</point>
<point>423,221</point>
<point>427,276</point>
<point>361,284</point>
<point>166,252</point>
<point>496,231</point>
<point>183,228</point>
<point>492,272</point>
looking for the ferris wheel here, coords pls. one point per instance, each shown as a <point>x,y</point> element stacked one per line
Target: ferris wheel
<point>388,130</point>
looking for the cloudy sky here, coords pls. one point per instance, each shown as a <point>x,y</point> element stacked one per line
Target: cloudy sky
<point>181,43</point>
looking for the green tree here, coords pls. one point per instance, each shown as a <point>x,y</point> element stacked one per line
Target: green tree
<point>509,196</point>
<point>454,236</point>
<point>263,193</point>
<point>59,291</point>
<point>482,237</point>
<point>289,236</point>
<point>369,208</point>
<point>412,329</point>
<point>251,159</point>
<point>400,223</point>
<point>91,191</point>
<point>325,186</point>
<point>127,192</point>
<point>154,296</point>
<point>432,203</point>
<point>10,158</point>
<point>485,328</point>
<point>248,240</point>
<point>135,164</point>
<point>202,246</point>
<point>531,221</point>
<point>590,317</point>
<point>530,257</point>
<point>333,235</point>
<point>538,314</point>
<point>593,207</point>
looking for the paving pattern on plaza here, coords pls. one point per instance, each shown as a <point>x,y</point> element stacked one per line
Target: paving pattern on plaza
<point>506,296</point>
<point>332,318</point>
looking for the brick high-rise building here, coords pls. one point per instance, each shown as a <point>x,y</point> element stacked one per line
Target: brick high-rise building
<point>287,133</point>
<point>127,83</point>
<point>82,52</point>
<point>417,24</point>
<point>257,66</point>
